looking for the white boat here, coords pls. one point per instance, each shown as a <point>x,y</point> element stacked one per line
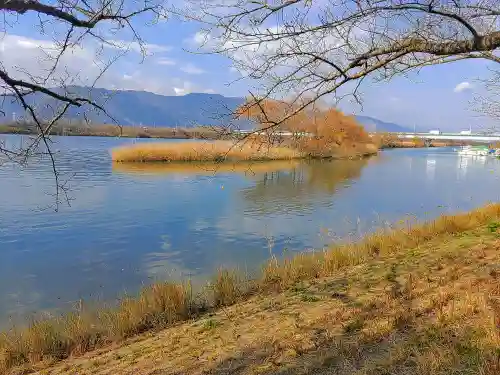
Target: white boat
<point>475,151</point>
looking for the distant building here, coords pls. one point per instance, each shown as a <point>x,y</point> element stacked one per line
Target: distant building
<point>466,132</point>
<point>437,131</point>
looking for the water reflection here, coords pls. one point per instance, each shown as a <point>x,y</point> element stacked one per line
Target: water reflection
<point>431,168</point>
<point>197,168</point>
<point>466,161</point>
<point>127,226</point>
<point>301,188</point>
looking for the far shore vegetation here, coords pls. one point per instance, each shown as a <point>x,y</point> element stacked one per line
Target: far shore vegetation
<point>330,129</point>
<point>382,140</point>
<point>80,128</point>
<point>424,297</point>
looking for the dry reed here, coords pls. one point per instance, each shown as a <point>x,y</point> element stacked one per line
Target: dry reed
<point>164,304</point>
<point>325,263</point>
<point>216,151</point>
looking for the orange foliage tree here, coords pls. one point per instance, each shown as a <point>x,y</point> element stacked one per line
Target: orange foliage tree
<point>316,132</point>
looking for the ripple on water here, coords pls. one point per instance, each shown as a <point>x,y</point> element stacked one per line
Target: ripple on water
<point>123,228</point>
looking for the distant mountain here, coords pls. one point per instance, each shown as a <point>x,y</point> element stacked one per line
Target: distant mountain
<point>136,108</point>
<point>374,125</point>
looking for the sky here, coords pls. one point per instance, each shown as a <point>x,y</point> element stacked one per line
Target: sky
<point>437,97</point>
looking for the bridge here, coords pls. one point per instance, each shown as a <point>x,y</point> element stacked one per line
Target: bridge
<point>483,138</point>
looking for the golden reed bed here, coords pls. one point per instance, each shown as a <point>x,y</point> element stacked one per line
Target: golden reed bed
<point>201,151</point>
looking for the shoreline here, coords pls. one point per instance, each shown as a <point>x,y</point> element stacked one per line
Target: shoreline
<point>165,305</point>
<point>230,152</point>
<point>383,141</point>
<point>429,310</point>
<point>114,131</point>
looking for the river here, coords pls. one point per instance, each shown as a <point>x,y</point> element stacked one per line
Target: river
<point>125,227</point>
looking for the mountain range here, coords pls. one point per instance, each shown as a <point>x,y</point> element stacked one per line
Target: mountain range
<point>375,125</point>
<point>141,108</point>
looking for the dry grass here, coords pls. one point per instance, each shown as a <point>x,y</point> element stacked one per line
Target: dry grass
<point>216,151</point>
<point>164,304</point>
<point>203,168</point>
<point>391,140</point>
<point>427,310</point>
<point>157,306</point>
<point>322,264</point>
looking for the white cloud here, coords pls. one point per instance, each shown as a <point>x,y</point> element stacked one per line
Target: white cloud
<point>23,42</point>
<point>462,86</point>
<point>180,91</point>
<point>32,60</point>
<point>186,87</point>
<point>81,65</point>
<point>200,38</point>
<point>192,69</point>
<point>147,48</point>
<point>249,54</point>
<point>165,61</point>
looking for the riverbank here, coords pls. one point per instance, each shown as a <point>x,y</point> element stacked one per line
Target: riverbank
<point>419,300</point>
<point>391,140</point>
<point>199,132</point>
<point>383,140</point>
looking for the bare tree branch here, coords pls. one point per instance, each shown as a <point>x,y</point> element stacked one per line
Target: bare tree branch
<point>46,95</point>
<point>313,51</point>
<point>93,17</point>
<point>488,103</point>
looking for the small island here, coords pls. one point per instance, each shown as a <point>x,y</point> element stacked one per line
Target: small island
<point>315,134</point>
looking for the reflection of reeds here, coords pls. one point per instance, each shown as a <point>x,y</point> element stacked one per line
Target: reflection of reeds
<point>164,304</point>
<point>201,151</point>
<point>203,168</point>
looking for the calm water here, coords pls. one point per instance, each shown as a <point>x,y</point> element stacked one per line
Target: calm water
<point>125,227</point>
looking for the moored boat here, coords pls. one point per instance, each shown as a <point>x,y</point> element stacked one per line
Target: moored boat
<point>475,151</point>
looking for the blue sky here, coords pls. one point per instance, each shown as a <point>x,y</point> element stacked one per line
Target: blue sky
<point>437,97</point>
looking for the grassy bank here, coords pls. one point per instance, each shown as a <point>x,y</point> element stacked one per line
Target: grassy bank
<point>428,310</point>
<point>419,290</point>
